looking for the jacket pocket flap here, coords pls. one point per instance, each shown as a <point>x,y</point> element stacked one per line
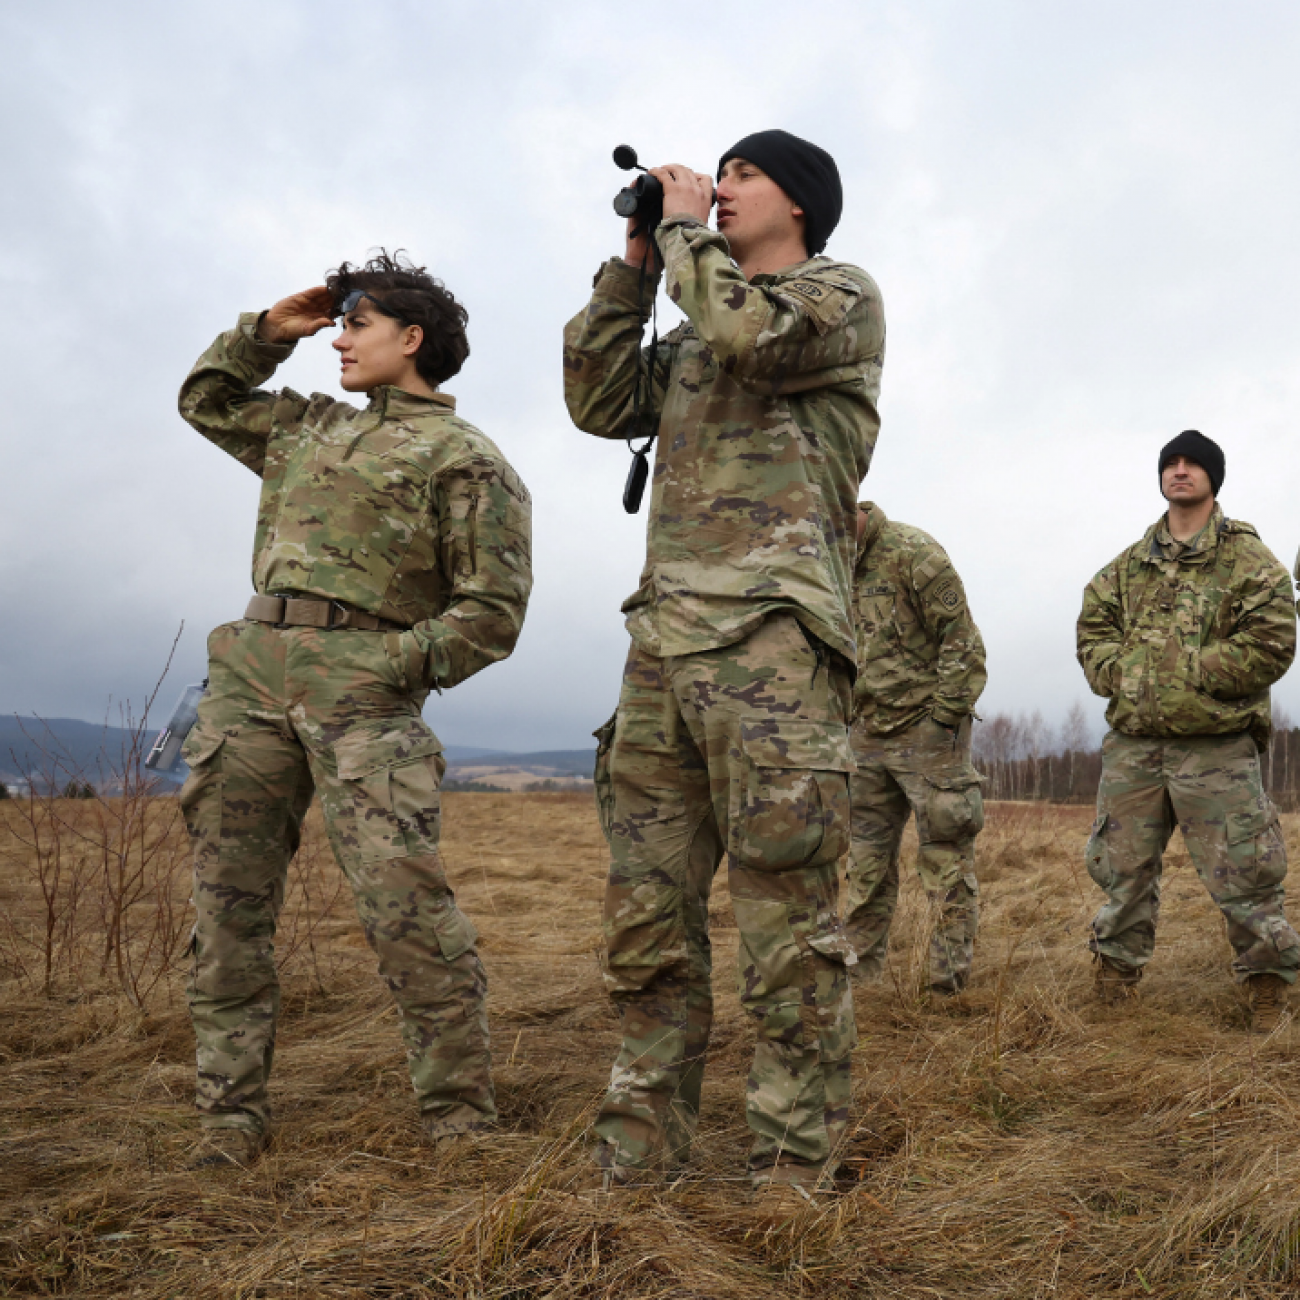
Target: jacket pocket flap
<point>1243,826</point>
<point>961,781</point>
<point>376,745</point>
<point>776,742</point>
<point>201,745</point>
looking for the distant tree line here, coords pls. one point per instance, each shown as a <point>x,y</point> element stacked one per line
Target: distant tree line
<point>1023,756</point>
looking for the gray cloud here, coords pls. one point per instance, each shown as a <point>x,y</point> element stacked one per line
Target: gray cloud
<point>1082,219</point>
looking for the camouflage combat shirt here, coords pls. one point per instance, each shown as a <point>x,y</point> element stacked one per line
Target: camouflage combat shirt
<point>919,651</point>
<point>765,408</point>
<point>1186,638</point>
<point>402,510</point>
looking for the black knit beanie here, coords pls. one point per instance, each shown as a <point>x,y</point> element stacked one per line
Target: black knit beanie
<point>1204,451</point>
<point>805,172</point>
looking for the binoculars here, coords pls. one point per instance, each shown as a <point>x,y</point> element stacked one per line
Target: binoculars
<point>644,198</point>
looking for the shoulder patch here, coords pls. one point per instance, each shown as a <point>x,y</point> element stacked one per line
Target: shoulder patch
<point>932,563</point>
<point>826,302</point>
<point>949,597</point>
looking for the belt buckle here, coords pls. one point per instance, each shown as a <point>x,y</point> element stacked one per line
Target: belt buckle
<point>284,606</point>
<point>334,605</point>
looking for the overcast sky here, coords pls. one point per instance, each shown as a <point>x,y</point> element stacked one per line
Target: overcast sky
<point>1084,221</point>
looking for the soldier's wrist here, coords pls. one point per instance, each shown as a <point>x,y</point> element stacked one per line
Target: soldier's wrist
<point>619,282</point>
<point>253,324</point>
<point>409,658</point>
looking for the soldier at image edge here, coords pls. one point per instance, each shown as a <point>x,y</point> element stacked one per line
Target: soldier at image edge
<point>1184,633</point>
<point>391,557</point>
<point>731,734</point>
<point>920,672</point>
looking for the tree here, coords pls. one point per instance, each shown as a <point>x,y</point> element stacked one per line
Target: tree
<point>1076,739</point>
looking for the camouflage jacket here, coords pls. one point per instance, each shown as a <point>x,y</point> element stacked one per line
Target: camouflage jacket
<point>919,651</point>
<point>765,407</point>
<point>401,510</point>
<point>1185,640</point>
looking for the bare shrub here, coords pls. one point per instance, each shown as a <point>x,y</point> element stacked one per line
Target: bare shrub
<point>108,858</point>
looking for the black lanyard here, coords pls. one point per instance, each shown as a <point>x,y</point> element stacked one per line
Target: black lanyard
<point>639,471</point>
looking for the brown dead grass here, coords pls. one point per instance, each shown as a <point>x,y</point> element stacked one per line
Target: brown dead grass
<point>1025,1143</point>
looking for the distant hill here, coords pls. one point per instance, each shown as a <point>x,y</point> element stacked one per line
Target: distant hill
<point>578,762</point>
<point>95,751</point>
<point>63,747</point>
<point>463,753</point>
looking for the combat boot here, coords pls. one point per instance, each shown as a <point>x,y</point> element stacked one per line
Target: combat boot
<point>227,1148</point>
<point>1115,982</point>
<point>459,1141</point>
<point>1268,1004</point>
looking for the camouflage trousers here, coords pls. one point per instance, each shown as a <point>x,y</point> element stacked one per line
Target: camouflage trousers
<point>288,712</point>
<point>924,769</point>
<point>738,752</point>
<point>1212,789</point>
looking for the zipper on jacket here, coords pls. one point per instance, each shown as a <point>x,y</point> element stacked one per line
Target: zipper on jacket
<point>381,415</point>
<point>471,520</point>
<point>821,652</point>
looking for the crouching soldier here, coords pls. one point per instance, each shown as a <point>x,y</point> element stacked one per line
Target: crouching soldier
<point>392,557</point>
<point>1184,633</point>
<point>920,671</point>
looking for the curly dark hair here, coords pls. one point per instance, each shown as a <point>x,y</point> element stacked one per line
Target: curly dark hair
<point>412,295</point>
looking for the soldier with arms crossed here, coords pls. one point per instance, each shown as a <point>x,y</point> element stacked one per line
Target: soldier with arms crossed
<point>1184,633</point>
<point>392,557</point>
<point>920,671</point>
<point>731,735</point>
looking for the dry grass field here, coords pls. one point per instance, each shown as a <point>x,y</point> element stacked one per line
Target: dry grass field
<point>1024,1143</point>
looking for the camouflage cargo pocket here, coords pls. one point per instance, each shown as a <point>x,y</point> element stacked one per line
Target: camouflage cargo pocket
<point>392,769</point>
<point>200,796</point>
<point>456,933</point>
<point>837,1030</point>
<point>794,977</point>
<point>792,807</point>
<point>1255,847</point>
<point>645,934</point>
<point>1097,854</point>
<point>954,807</point>
<point>600,778</point>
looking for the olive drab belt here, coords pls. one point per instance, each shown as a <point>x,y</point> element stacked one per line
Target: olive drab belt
<point>314,611</point>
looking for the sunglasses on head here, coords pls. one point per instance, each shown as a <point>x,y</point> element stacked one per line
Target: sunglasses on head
<point>353,301</point>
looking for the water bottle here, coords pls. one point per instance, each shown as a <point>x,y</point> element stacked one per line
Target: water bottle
<point>165,756</point>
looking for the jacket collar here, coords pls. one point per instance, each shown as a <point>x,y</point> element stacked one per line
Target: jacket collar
<point>396,404</point>
<point>875,522</point>
<point>1160,544</point>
